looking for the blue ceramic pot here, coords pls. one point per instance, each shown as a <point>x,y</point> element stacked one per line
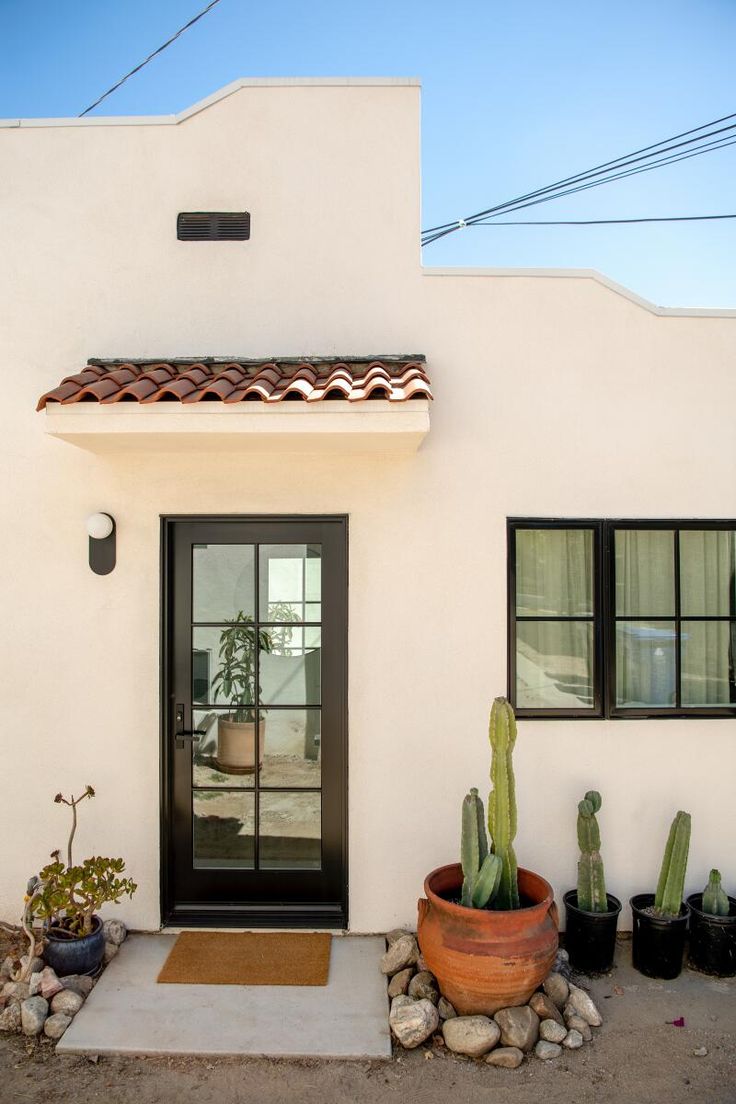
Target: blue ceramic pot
<point>70,954</point>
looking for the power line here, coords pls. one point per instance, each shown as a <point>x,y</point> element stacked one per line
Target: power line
<point>607,171</point>
<point>603,222</point>
<point>149,58</point>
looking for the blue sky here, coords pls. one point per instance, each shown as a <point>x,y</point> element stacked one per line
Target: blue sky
<point>515,96</point>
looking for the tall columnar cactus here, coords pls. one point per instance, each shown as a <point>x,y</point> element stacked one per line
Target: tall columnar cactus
<point>481,871</point>
<point>715,901</point>
<point>502,801</point>
<point>591,878</point>
<point>671,884</point>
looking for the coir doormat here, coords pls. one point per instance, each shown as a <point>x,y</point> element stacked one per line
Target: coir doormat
<point>248,958</point>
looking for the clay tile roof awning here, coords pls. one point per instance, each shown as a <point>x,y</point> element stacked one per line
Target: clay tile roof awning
<point>312,380</point>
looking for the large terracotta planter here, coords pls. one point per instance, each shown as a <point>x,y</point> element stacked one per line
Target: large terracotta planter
<point>236,745</point>
<point>485,959</point>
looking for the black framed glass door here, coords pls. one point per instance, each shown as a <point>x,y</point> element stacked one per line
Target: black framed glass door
<point>254,721</point>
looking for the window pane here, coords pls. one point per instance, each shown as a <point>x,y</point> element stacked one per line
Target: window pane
<point>222,829</point>
<point>645,573</point>
<point>223,666</point>
<point>225,745</point>
<point>290,671</point>
<point>290,831</point>
<point>292,741</point>
<point>646,667</point>
<point>708,573</point>
<point>223,581</point>
<point>554,665</point>
<point>554,572</point>
<point>290,576</point>
<point>708,651</point>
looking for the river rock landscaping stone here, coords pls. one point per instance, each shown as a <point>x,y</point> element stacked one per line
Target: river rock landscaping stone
<point>545,1008</point>
<point>471,1035</point>
<point>573,1040</point>
<point>33,1013</point>
<point>424,986</point>
<point>399,983</point>
<point>10,1018</point>
<point>67,1001</point>
<point>7,968</point>
<point>37,963</point>
<point>50,984</point>
<point>583,1006</point>
<point>402,953</point>
<point>547,1051</point>
<point>396,933</point>
<point>445,1009</point>
<point>557,989</point>
<point>115,932</point>
<point>111,949</point>
<point>34,984</point>
<point>505,1057</point>
<point>78,983</point>
<point>519,1026</point>
<point>413,1022</point>
<point>576,1023</point>
<point>552,1032</point>
<point>18,989</point>
<point>56,1025</point>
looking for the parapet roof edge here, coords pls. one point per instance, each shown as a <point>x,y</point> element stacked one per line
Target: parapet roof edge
<point>221,94</point>
<point>588,274</point>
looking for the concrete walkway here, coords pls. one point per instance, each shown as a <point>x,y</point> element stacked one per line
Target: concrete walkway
<point>129,1013</point>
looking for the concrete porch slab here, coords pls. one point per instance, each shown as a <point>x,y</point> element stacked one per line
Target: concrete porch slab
<point>129,1013</point>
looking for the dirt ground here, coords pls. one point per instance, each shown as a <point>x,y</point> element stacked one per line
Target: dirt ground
<point>637,1057</point>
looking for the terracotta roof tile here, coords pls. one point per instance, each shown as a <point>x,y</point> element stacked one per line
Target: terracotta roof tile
<point>397,379</point>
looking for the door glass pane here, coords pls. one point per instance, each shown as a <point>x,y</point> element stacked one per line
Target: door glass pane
<point>554,665</point>
<point>292,745</point>
<point>290,831</point>
<point>554,572</point>
<point>223,581</point>
<point>222,829</point>
<point>708,573</point>
<point>645,572</point>
<point>290,582</point>
<point>223,666</point>
<point>225,754</point>
<point>290,671</point>
<point>646,669</point>
<point>708,663</point>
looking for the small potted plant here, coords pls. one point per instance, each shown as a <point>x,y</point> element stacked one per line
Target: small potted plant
<point>592,914</point>
<point>236,681</point>
<point>487,930</point>
<point>660,919</point>
<point>67,896</point>
<point>713,929</point>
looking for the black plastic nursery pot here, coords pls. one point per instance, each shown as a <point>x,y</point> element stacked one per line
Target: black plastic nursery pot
<point>658,943</point>
<point>712,939</point>
<point>590,937</point>
<point>73,954</point>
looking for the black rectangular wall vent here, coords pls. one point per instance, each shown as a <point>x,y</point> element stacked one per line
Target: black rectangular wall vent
<point>213,226</point>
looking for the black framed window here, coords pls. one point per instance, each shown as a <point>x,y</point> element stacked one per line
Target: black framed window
<point>622,618</point>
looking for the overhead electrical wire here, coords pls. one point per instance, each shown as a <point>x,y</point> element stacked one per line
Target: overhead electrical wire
<point>602,222</point>
<point>606,172</point>
<point>149,58</point>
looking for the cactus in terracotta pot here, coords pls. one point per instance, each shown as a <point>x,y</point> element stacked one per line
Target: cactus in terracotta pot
<point>502,801</point>
<point>671,884</point>
<point>481,870</point>
<point>591,878</point>
<point>715,901</point>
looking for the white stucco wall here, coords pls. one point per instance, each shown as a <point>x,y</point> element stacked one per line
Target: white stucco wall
<point>555,395</point>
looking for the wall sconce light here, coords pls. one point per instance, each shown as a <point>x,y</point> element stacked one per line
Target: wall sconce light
<point>101,532</point>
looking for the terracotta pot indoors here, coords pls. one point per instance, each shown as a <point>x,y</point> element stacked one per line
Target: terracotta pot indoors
<point>236,745</point>
<point>484,959</point>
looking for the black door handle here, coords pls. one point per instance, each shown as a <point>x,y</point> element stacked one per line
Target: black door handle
<point>181,734</point>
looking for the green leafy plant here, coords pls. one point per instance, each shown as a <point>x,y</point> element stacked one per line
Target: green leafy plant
<point>591,878</point>
<point>69,896</point>
<point>481,870</point>
<point>502,801</point>
<point>715,901</point>
<point>671,884</point>
<point>236,677</point>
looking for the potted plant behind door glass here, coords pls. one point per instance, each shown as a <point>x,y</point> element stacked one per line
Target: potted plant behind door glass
<point>592,914</point>
<point>236,682</point>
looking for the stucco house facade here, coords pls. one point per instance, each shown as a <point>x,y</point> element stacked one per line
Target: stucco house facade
<point>412,488</point>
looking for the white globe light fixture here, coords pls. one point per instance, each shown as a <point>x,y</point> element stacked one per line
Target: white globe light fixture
<point>101,533</point>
